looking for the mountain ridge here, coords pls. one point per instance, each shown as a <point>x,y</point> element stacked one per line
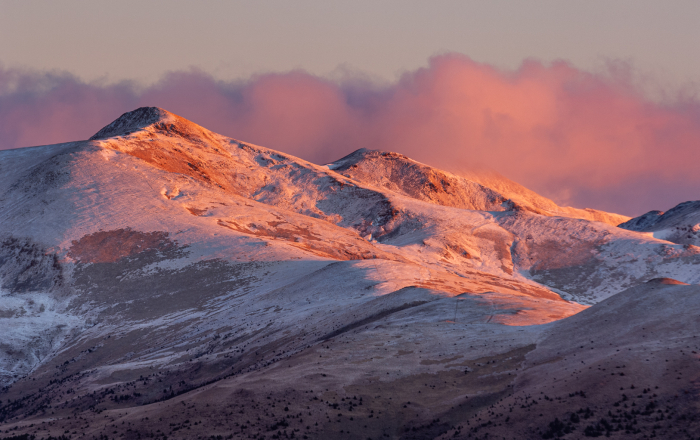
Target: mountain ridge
<point>413,178</point>
<point>154,119</point>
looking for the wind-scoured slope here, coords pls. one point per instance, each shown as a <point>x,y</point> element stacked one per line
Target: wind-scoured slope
<point>158,257</point>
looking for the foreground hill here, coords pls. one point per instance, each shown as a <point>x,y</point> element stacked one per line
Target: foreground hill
<point>633,373</point>
<point>159,265</point>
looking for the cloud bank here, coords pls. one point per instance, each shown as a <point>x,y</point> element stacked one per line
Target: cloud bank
<point>582,139</point>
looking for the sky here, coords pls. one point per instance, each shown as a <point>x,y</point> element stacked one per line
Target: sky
<point>591,103</point>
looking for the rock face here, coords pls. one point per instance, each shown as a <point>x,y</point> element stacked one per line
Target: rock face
<point>191,285</point>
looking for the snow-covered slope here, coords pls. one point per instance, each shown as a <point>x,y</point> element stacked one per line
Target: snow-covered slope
<point>159,255</point>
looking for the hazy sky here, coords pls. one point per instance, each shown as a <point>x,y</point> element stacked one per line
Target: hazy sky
<point>591,103</point>
<point>141,40</point>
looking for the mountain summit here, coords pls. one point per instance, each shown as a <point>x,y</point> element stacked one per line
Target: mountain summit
<point>163,280</point>
<point>136,120</point>
<point>150,120</point>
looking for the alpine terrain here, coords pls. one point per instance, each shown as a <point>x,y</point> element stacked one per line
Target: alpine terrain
<point>162,281</point>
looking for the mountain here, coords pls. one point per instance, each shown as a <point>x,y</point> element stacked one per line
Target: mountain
<point>680,224</point>
<point>161,280</point>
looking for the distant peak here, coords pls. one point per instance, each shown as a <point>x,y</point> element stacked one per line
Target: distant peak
<point>135,120</point>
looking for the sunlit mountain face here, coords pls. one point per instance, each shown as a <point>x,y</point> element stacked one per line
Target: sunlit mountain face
<point>163,281</point>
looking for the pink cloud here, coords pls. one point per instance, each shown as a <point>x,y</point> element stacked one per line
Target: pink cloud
<point>583,139</point>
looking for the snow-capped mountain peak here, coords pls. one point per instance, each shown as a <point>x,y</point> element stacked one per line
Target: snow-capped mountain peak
<point>159,256</point>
